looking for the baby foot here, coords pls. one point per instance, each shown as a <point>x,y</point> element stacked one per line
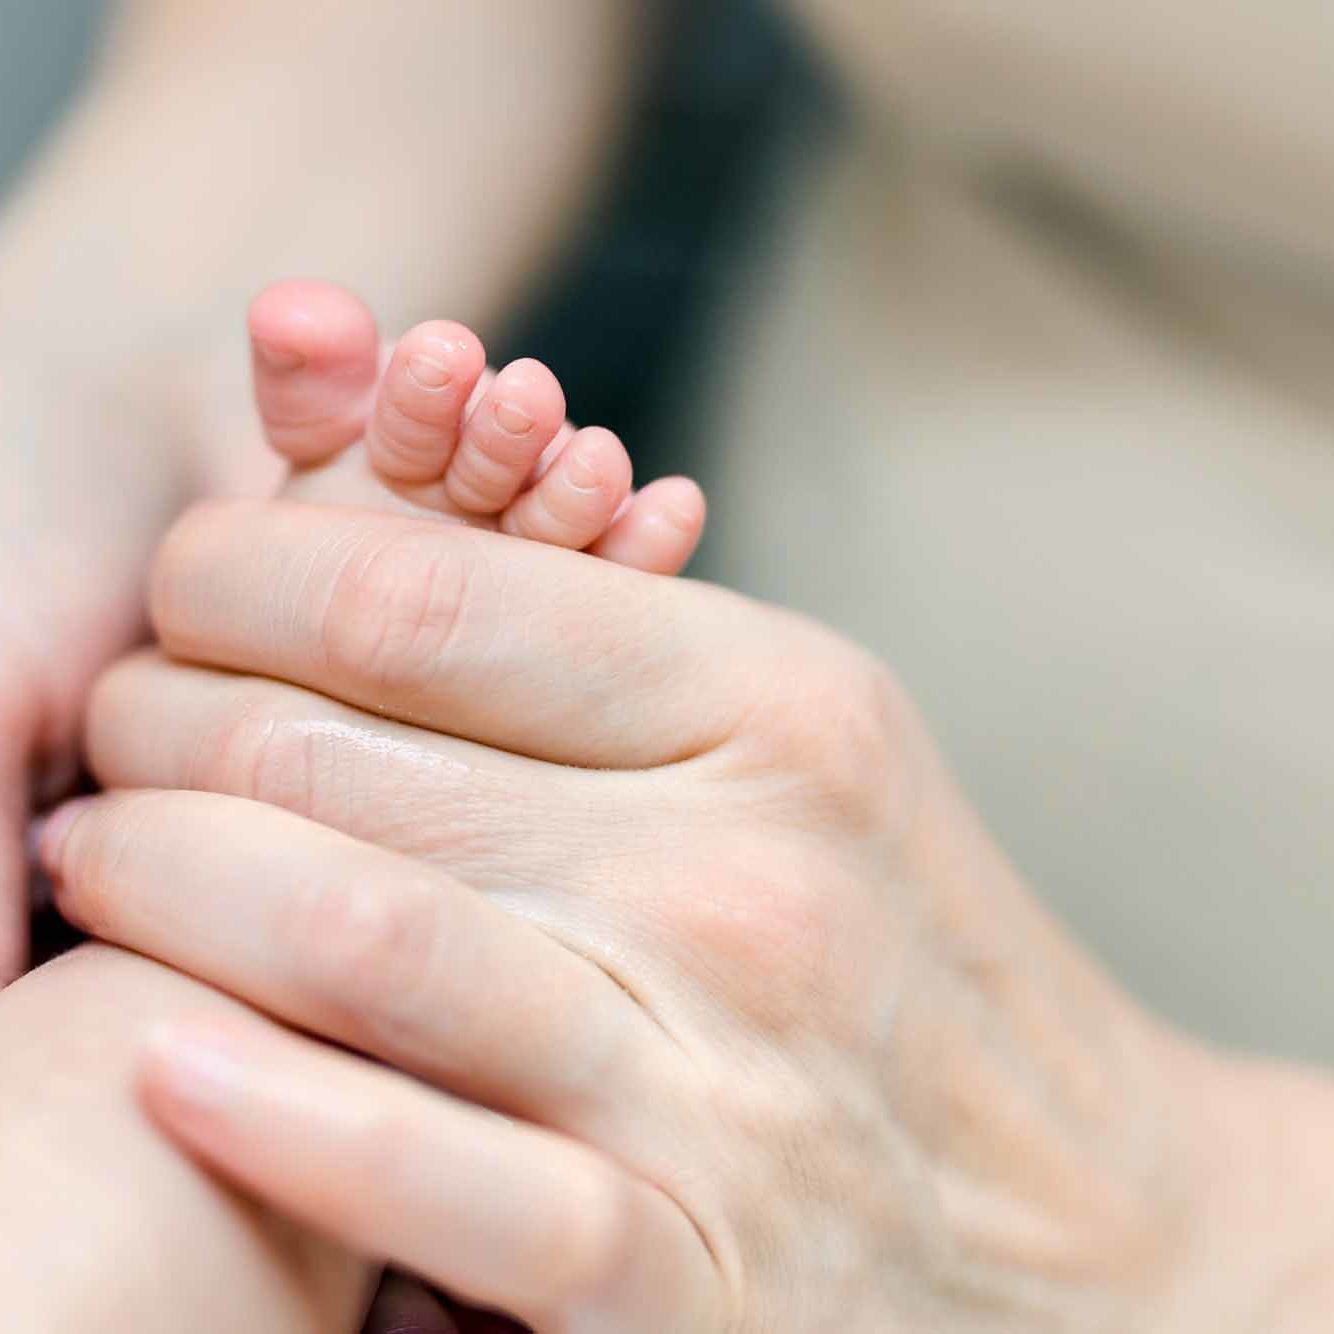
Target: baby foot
<point>425,426</point>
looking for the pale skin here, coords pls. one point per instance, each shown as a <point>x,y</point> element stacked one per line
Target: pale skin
<point>127,259</point>
<point>159,394</point>
<point>757,893</point>
<point>105,1227</point>
<point>488,450</point>
<point>674,880</point>
<point>483,449</point>
<point>68,607</point>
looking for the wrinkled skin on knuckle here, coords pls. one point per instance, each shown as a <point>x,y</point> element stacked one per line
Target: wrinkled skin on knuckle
<point>293,766</point>
<point>268,748</point>
<point>258,751</point>
<point>235,752</point>
<point>393,613</point>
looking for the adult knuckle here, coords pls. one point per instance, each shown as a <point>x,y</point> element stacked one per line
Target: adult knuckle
<point>589,1232</point>
<point>841,738</point>
<point>766,920</point>
<point>866,733</point>
<point>231,747</point>
<point>253,750</point>
<point>393,615</point>
<point>361,946</point>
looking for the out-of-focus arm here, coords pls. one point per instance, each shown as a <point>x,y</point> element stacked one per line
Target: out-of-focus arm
<point>426,153</point>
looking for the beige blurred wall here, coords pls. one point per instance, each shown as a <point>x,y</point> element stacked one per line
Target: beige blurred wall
<point>1075,482</point>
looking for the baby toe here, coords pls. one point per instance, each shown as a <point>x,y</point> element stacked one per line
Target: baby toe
<point>504,436</point>
<point>578,496</point>
<point>315,354</point>
<point>659,530</point>
<point>421,401</point>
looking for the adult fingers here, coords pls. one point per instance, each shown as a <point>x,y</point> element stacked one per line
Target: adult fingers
<point>499,819</point>
<point>315,351</point>
<point>501,1213</point>
<point>363,946</point>
<point>512,644</point>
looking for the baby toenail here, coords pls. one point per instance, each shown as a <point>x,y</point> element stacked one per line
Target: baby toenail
<point>583,472</point>
<point>514,420</point>
<point>680,517</point>
<point>278,358</point>
<point>427,372</point>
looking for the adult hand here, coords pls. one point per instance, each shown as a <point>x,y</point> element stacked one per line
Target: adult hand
<point>676,882</point>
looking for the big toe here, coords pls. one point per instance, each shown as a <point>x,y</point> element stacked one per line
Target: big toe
<point>315,353</point>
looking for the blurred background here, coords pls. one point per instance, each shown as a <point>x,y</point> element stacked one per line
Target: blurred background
<point>1002,342</point>
<point>45,51</point>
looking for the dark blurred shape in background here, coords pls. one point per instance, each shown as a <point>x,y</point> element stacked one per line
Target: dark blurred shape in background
<point>615,322</point>
<point>728,83</point>
<point>45,46</point>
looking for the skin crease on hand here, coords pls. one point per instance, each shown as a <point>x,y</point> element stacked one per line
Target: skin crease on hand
<point>842,1039</point>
